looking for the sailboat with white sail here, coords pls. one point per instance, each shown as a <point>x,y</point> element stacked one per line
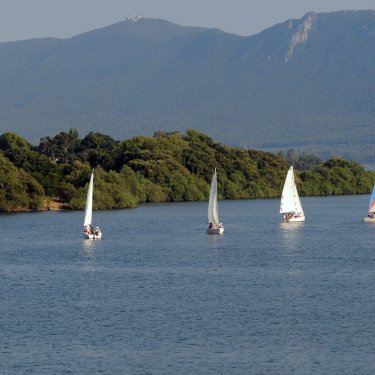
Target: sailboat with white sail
<point>214,225</point>
<point>371,209</point>
<point>89,232</point>
<point>290,206</point>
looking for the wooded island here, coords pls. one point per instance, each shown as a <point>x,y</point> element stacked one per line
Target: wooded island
<point>165,167</point>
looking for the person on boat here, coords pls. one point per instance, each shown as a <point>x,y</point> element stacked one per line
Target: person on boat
<point>210,226</point>
<point>97,231</point>
<point>220,225</point>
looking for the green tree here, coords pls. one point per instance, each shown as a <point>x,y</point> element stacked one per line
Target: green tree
<point>18,190</point>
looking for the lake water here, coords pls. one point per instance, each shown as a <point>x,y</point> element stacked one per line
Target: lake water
<point>157,295</point>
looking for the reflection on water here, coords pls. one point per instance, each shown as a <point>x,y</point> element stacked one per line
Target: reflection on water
<point>89,248</point>
<point>290,233</point>
<point>291,248</point>
<point>88,244</point>
<point>215,238</point>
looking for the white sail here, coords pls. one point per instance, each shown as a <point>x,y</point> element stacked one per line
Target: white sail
<point>88,209</point>
<point>213,213</point>
<point>290,202</point>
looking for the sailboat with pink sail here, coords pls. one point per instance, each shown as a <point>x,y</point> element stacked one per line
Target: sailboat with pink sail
<point>371,210</point>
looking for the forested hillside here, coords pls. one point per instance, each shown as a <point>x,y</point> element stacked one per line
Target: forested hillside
<point>305,83</point>
<point>165,167</point>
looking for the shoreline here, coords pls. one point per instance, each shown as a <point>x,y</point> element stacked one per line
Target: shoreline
<point>53,204</point>
<point>49,204</point>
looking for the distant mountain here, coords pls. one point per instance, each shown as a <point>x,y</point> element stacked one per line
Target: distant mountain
<point>306,83</point>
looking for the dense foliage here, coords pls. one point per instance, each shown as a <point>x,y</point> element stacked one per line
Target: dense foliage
<point>165,167</point>
<point>18,189</point>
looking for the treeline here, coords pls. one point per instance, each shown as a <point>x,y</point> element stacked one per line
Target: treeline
<point>165,167</point>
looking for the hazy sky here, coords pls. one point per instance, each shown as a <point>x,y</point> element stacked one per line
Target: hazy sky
<point>25,19</point>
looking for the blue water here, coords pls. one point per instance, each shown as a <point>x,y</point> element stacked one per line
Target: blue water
<point>157,295</point>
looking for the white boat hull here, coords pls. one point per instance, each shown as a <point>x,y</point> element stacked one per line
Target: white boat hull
<point>215,230</point>
<point>92,236</point>
<point>294,219</point>
<point>369,219</point>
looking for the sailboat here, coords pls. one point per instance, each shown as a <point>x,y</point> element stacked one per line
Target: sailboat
<point>88,231</point>
<point>371,210</point>
<point>290,206</point>
<point>215,227</point>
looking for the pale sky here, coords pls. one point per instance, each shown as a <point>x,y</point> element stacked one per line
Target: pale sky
<point>25,19</point>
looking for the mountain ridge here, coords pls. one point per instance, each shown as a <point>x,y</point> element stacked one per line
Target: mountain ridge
<point>303,83</point>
